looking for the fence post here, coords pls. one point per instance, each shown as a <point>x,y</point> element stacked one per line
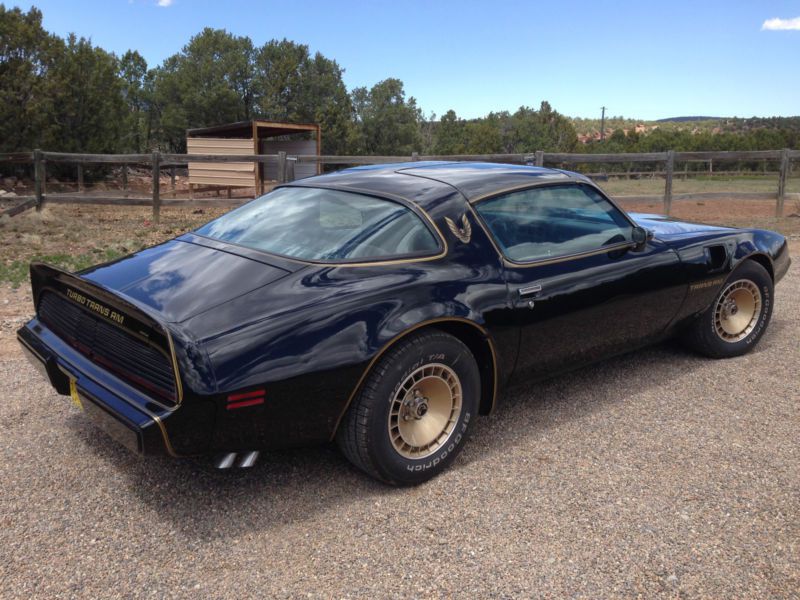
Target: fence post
<point>784,173</point>
<point>80,177</point>
<point>290,162</point>
<point>172,177</point>
<point>125,179</point>
<point>156,187</point>
<point>38,176</point>
<point>281,167</point>
<point>668,181</point>
<point>540,158</point>
<point>414,156</point>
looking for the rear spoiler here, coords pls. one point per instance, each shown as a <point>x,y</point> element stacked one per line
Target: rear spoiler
<point>109,306</point>
<point>135,320</point>
<point>96,299</point>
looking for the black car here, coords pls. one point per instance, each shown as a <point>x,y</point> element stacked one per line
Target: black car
<point>385,307</point>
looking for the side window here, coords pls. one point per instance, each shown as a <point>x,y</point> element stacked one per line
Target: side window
<point>553,221</point>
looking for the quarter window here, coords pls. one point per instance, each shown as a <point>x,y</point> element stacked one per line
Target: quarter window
<point>551,221</point>
<point>325,225</point>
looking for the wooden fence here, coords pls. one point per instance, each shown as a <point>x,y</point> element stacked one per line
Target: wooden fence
<point>157,161</point>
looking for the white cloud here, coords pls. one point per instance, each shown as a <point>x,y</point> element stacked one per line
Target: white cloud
<point>164,3</point>
<point>770,24</point>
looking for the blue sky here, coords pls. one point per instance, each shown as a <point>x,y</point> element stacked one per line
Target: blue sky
<point>640,59</point>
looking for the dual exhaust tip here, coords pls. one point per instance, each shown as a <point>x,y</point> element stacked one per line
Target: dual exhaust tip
<point>229,460</point>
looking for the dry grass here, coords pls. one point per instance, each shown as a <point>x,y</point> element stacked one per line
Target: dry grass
<point>76,236</point>
<point>702,184</point>
<point>734,213</point>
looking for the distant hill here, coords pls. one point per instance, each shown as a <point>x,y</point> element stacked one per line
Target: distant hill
<point>686,119</point>
<point>693,124</point>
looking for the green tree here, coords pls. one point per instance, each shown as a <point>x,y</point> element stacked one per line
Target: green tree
<point>529,130</point>
<point>450,134</point>
<point>279,67</point>
<point>386,122</point>
<point>484,136</point>
<point>327,102</point>
<point>209,82</point>
<point>136,93</point>
<point>69,95</point>
<point>294,86</point>
<point>25,56</point>
<point>427,130</point>
<point>81,99</point>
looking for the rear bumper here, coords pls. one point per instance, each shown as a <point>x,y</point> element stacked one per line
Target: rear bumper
<point>121,411</point>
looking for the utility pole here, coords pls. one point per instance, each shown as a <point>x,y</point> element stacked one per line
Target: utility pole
<point>603,124</point>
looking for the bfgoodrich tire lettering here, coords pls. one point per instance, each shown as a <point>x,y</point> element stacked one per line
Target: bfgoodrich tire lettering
<point>410,383</point>
<point>716,333</point>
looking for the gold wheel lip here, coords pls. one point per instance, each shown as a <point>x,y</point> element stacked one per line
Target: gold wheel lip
<point>495,374</point>
<point>395,426</point>
<point>738,288</point>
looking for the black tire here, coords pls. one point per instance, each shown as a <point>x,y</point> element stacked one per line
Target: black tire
<point>366,433</point>
<point>706,333</point>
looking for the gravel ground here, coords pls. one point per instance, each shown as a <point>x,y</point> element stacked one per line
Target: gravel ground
<point>655,474</point>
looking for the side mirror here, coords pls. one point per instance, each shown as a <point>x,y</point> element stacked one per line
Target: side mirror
<point>640,236</point>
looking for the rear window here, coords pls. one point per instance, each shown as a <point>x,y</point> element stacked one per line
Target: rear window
<point>324,225</point>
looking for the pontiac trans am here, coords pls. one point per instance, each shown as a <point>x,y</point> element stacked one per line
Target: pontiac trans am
<point>385,308</point>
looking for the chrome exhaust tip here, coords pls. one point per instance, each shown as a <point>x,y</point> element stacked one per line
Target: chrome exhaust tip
<point>249,459</point>
<point>225,461</point>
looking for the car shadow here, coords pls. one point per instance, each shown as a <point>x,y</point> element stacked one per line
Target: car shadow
<point>293,485</point>
<point>203,503</point>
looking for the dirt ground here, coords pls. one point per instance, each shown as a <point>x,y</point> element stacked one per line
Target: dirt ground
<point>736,213</point>
<point>75,229</point>
<point>656,474</point>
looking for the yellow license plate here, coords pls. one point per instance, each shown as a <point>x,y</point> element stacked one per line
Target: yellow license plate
<point>73,393</point>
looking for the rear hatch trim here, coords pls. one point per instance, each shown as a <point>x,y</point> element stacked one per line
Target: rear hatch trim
<point>108,307</point>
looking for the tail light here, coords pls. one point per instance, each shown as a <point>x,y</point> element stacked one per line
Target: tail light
<point>246,399</point>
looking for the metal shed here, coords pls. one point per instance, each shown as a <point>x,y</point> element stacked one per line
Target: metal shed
<point>249,137</point>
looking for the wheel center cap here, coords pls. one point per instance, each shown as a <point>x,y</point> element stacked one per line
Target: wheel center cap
<point>415,407</point>
<point>422,408</point>
<point>730,308</point>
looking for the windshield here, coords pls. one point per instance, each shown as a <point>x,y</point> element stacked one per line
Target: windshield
<point>324,225</point>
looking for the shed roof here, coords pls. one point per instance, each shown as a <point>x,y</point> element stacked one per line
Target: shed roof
<point>245,129</point>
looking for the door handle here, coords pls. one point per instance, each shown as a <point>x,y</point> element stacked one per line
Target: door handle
<point>529,291</point>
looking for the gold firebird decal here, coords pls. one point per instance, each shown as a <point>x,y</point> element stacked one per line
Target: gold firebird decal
<point>463,233</point>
